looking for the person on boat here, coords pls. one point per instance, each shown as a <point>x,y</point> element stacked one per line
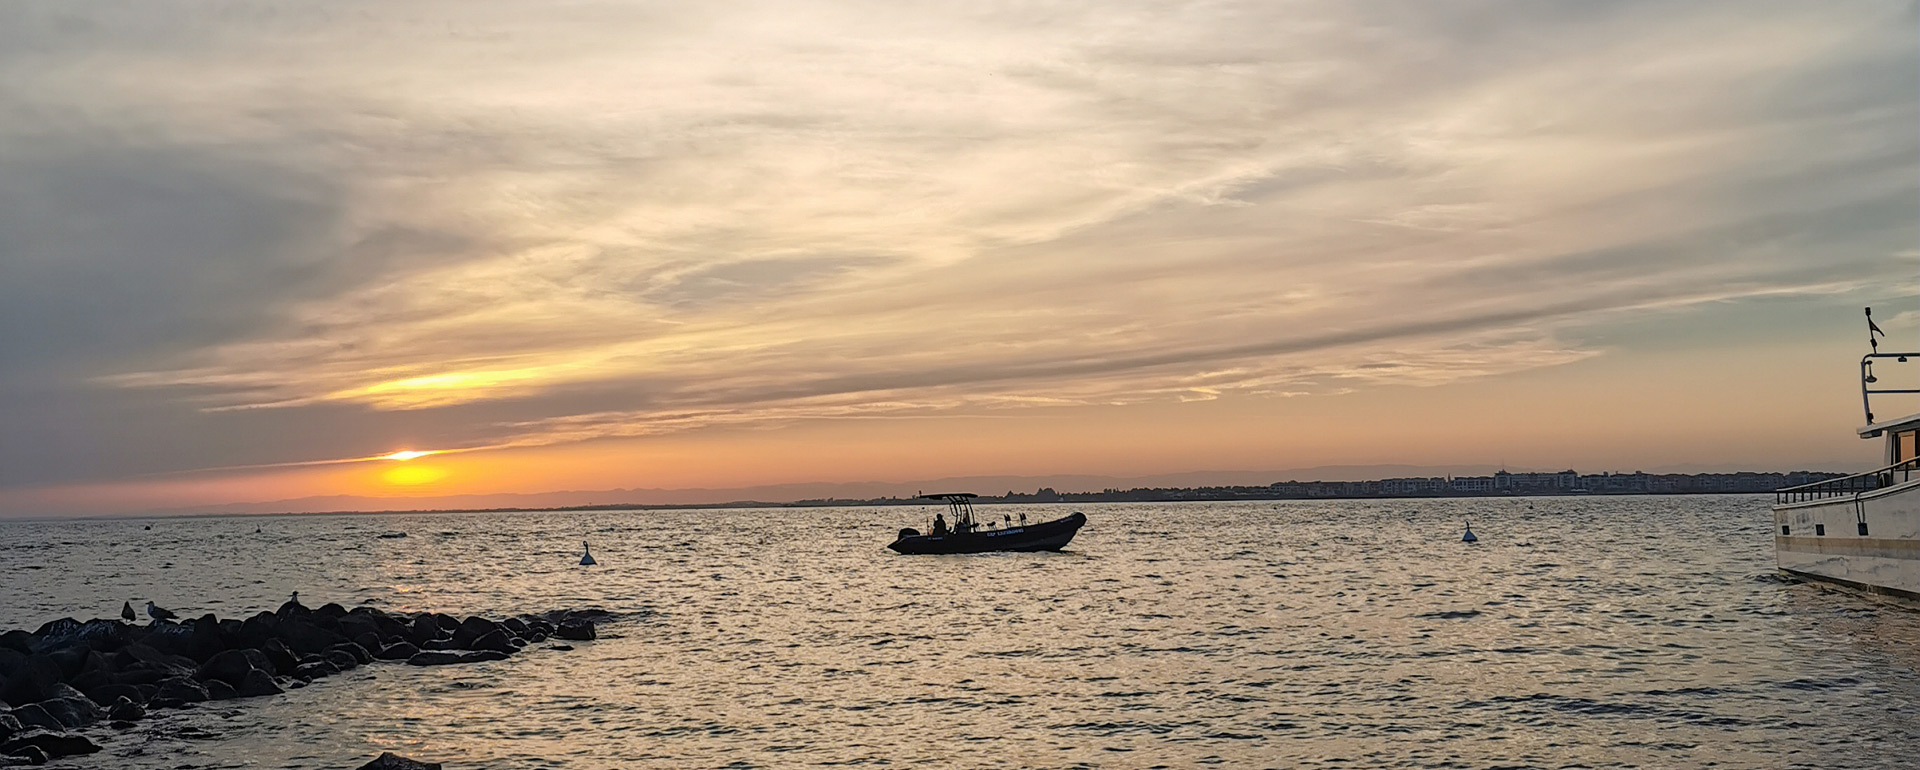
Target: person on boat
<point>939,524</point>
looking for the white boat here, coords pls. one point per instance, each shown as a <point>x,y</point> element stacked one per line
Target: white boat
<point>1860,531</point>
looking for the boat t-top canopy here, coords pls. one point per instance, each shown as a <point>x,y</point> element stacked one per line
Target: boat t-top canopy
<point>960,504</point>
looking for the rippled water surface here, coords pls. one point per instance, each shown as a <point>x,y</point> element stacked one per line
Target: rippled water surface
<point>1580,632</point>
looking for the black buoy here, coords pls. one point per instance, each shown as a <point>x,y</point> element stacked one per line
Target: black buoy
<point>1469,537</point>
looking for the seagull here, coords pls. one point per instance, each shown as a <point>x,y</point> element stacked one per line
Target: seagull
<point>587,560</point>
<point>126,612</point>
<point>295,601</point>
<point>160,614</point>
<point>1469,537</point>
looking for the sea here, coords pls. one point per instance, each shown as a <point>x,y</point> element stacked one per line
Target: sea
<point>1579,632</point>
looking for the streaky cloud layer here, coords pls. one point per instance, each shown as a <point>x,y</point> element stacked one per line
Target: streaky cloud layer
<point>533,224</point>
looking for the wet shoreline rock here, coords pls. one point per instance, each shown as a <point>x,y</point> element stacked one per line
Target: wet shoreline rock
<point>69,675</point>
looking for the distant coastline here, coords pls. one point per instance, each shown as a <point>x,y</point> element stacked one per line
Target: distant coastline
<point>1501,484</point>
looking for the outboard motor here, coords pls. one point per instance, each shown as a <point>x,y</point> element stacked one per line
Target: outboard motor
<point>909,532</point>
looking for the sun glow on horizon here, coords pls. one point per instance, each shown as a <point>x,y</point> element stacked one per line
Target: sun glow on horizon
<point>405,455</point>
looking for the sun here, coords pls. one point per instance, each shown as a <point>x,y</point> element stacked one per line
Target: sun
<point>405,455</point>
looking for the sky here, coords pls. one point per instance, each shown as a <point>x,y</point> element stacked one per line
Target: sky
<point>247,248</point>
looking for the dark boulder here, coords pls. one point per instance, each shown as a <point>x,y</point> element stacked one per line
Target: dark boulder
<point>517,626</point>
<point>108,693</point>
<point>359,653</point>
<point>442,658</point>
<point>218,690</point>
<point>9,726</point>
<point>473,628</point>
<point>497,641</point>
<point>141,674</point>
<point>370,642</point>
<point>331,610</point>
<point>34,715</point>
<point>178,691</point>
<point>391,761</point>
<point>18,641</point>
<point>343,660</point>
<point>71,708</point>
<point>440,644</point>
<point>125,710</point>
<point>32,680</point>
<point>55,632</point>
<point>256,684</point>
<point>423,630</point>
<point>10,659</point>
<point>397,651</point>
<point>315,670</point>
<point>306,638</point>
<point>51,744</point>
<point>160,660</point>
<point>576,630</point>
<point>256,630</point>
<point>25,755</point>
<point>232,666</point>
<point>281,656</point>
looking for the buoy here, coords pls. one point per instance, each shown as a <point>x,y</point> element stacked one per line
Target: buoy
<point>1469,537</point>
<point>587,560</point>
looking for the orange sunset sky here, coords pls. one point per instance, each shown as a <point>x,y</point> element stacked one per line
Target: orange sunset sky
<point>249,250</point>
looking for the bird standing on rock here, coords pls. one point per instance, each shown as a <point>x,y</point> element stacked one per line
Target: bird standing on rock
<point>126,612</point>
<point>158,613</point>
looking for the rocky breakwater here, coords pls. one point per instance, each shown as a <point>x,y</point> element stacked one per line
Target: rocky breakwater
<point>70,675</point>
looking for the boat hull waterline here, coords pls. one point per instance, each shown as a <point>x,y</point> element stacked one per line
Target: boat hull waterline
<point>1045,536</point>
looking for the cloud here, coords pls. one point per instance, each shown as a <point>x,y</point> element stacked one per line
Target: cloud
<point>520,224</point>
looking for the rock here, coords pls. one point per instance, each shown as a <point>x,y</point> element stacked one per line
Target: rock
<point>218,690</point>
<point>496,640</point>
<point>178,691</point>
<point>516,625</point>
<point>423,630</point>
<point>53,745</point>
<point>173,664</point>
<point>369,642</point>
<point>72,709</point>
<point>397,651</point>
<point>108,693</point>
<point>359,653</point>
<point>18,641</point>
<point>281,657</point>
<point>576,630</point>
<point>562,648</point>
<point>391,761</point>
<point>306,638</point>
<point>27,755</point>
<point>124,710</point>
<point>441,658</point>
<point>232,666</point>
<point>256,630</point>
<point>256,684</point>
<point>473,628</point>
<point>315,670</point>
<point>32,680</point>
<point>343,660</point>
<point>34,715</point>
<point>9,726</point>
<point>331,610</point>
<point>440,644</point>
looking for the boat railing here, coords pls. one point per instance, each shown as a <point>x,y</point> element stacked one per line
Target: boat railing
<point>1897,473</point>
<point>1868,379</point>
